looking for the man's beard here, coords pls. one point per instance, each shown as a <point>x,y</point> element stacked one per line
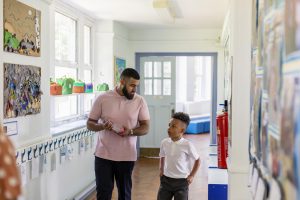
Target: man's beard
<point>126,93</point>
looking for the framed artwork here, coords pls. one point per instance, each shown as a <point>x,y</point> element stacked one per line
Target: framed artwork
<point>22,95</point>
<point>22,28</point>
<point>119,66</point>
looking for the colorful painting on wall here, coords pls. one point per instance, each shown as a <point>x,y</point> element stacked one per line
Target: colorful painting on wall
<point>119,66</point>
<point>22,95</point>
<point>22,28</point>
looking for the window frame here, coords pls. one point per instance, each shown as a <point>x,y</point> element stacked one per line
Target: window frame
<point>81,21</point>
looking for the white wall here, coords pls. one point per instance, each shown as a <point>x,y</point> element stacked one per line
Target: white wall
<point>31,128</point>
<point>178,41</point>
<point>240,34</point>
<point>75,175</point>
<point>121,41</point>
<point>114,39</point>
<point>104,52</point>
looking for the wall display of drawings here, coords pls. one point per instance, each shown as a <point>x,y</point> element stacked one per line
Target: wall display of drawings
<point>119,66</point>
<point>275,113</point>
<point>22,28</point>
<point>22,95</point>
<point>228,85</point>
<point>256,118</point>
<point>290,124</point>
<point>292,26</point>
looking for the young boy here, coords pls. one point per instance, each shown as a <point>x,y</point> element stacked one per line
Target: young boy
<point>176,157</point>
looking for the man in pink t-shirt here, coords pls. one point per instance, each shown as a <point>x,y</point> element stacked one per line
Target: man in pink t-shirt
<point>120,116</point>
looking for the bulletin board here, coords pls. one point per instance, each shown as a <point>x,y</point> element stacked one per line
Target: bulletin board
<point>275,107</point>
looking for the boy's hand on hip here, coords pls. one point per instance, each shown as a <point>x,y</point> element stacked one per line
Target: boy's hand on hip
<point>161,173</point>
<point>190,179</point>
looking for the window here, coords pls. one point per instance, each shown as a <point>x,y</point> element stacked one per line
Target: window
<point>65,38</point>
<point>157,73</point>
<point>72,63</point>
<point>202,77</point>
<point>193,78</point>
<point>87,45</point>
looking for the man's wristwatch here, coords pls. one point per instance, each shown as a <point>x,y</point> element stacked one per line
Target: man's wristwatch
<point>131,131</point>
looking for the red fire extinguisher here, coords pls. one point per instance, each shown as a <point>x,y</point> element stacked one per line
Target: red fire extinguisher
<point>222,137</point>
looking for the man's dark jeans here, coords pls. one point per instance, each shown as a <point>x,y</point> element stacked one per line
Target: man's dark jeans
<point>106,171</point>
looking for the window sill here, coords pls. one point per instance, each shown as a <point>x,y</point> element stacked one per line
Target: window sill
<point>77,94</point>
<point>73,94</point>
<point>64,128</point>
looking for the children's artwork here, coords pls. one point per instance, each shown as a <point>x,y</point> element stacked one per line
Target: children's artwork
<point>273,164</point>
<point>273,55</point>
<point>296,150</point>
<point>253,75</point>
<point>256,115</point>
<point>288,131</point>
<point>22,28</point>
<point>264,129</point>
<point>260,29</point>
<point>292,26</point>
<point>254,22</point>
<point>275,120</point>
<point>22,95</point>
<point>119,66</point>
<point>287,123</point>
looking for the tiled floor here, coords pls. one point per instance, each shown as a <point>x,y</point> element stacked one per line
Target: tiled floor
<point>146,175</point>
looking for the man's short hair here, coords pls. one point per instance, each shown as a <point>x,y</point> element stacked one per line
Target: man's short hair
<point>184,117</point>
<point>130,73</point>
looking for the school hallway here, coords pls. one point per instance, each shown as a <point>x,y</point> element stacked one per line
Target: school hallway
<point>146,174</point>
<point>232,65</point>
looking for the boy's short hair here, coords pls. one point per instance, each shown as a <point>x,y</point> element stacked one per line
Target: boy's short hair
<point>130,73</point>
<point>184,117</point>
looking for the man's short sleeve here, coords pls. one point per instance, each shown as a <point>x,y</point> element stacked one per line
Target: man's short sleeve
<point>96,111</point>
<point>144,112</point>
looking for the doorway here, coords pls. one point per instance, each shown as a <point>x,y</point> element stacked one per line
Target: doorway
<point>158,86</point>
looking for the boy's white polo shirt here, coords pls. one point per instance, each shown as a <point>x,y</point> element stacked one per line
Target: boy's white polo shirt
<point>179,157</point>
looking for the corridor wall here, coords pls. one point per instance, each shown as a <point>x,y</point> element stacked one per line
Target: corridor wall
<point>275,106</point>
<point>72,176</point>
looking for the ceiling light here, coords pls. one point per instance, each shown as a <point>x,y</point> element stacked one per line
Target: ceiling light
<point>163,8</point>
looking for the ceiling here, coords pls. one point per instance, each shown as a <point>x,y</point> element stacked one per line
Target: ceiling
<point>140,14</point>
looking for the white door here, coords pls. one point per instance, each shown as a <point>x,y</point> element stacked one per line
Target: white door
<point>158,88</point>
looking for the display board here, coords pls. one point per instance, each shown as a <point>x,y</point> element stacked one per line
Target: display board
<point>275,107</point>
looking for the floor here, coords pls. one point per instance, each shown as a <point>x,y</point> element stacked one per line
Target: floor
<point>146,175</point>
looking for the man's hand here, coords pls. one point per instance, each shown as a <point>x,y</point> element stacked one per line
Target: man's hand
<point>125,132</point>
<point>107,125</point>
